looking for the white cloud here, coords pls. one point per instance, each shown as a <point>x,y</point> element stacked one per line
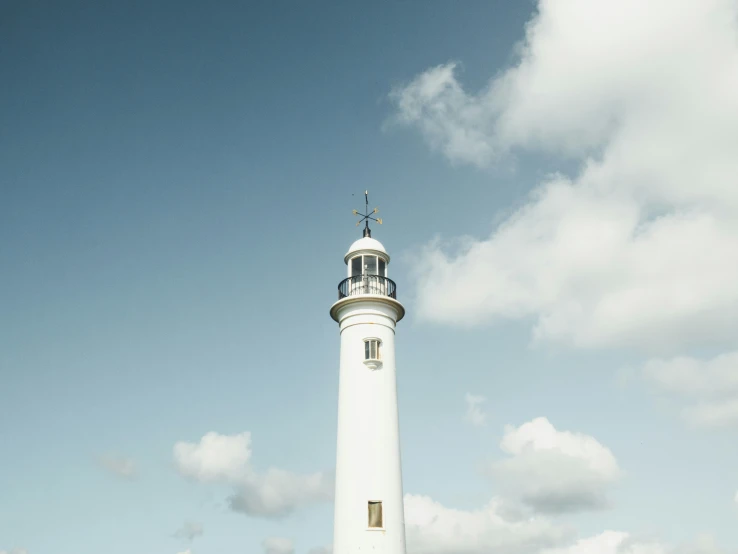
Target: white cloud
<point>709,386</point>
<point>216,457</point>
<point>435,529</point>
<point>615,542</point>
<point>119,465</point>
<point>276,545</point>
<point>450,120</point>
<point>712,414</point>
<point>555,471</point>
<point>278,492</point>
<point>690,376</point>
<point>14,551</point>
<point>609,542</point>
<point>474,412</point>
<point>640,248</point>
<point>226,459</point>
<point>188,551</point>
<point>432,528</point>
<point>189,530</point>
<point>704,544</point>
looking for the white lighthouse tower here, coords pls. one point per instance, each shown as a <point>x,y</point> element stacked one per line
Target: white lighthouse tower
<point>369,513</point>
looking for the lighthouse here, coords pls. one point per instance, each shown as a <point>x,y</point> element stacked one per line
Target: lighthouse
<point>369,513</point>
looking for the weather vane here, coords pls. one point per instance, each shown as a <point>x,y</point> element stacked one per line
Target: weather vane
<point>367,216</point>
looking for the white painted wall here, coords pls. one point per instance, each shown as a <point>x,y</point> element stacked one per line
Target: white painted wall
<point>368,465</point>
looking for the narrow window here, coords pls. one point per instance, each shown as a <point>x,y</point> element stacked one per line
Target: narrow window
<point>375,514</point>
<point>372,349</point>
<point>382,268</point>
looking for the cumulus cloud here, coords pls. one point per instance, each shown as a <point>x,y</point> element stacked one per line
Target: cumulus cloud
<point>609,542</point>
<point>277,545</point>
<point>614,542</point>
<point>474,412</point>
<point>435,529</point>
<point>709,386</point>
<point>432,528</point>
<point>189,530</point>
<point>555,471</point>
<point>227,459</point>
<point>640,246</point>
<point>118,465</point>
<point>216,457</point>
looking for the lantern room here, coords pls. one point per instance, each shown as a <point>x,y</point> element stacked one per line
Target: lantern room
<point>367,256</point>
<point>366,264</point>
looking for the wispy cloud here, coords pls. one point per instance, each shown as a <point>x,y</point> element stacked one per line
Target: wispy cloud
<point>189,531</point>
<point>119,465</point>
<point>708,386</point>
<point>474,413</point>
<point>278,545</point>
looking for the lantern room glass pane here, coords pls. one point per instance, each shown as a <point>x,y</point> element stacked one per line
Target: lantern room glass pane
<point>382,268</point>
<point>356,266</point>
<point>366,351</point>
<point>370,265</point>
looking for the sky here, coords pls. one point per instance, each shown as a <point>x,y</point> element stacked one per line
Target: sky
<point>557,184</point>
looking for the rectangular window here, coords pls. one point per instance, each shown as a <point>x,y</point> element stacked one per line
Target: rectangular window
<point>372,349</point>
<point>375,514</point>
<point>370,265</point>
<point>382,268</point>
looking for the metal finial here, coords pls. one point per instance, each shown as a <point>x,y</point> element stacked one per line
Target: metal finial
<point>367,216</point>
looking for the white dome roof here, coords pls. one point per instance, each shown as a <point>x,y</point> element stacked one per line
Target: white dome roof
<point>366,243</point>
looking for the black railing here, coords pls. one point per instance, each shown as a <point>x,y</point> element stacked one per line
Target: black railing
<point>367,284</point>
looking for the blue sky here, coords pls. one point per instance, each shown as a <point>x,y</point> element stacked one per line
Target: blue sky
<point>177,185</point>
